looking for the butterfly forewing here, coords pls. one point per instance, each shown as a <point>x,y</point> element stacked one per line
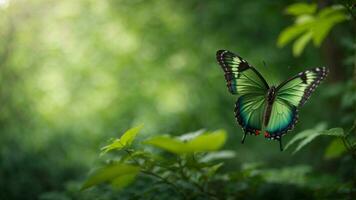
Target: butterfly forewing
<point>298,89</point>
<point>241,78</point>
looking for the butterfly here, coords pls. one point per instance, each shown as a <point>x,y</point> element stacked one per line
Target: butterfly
<point>260,108</point>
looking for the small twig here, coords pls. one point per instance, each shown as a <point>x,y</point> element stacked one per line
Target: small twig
<point>132,158</point>
<point>164,180</point>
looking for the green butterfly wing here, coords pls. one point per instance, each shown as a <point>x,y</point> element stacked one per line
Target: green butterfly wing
<point>249,112</point>
<point>244,80</point>
<point>298,89</point>
<point>282,118</point>
<point>241,78</point>
<point>282,114</point>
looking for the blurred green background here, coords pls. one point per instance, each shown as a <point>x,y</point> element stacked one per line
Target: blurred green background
<point>75,73</point>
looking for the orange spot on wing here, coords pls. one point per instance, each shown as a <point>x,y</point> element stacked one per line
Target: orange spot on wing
<point>267,134</point>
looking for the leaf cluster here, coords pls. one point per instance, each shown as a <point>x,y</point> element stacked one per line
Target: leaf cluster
<point>310,25</point>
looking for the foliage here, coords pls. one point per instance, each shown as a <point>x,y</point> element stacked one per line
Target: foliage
<point>191,164</point>
<point>118,174</point>
<point>72,73</point>
<point>199,143</point>
<point>310,25</point>
<point>124,141</point>
<point>196,173</point>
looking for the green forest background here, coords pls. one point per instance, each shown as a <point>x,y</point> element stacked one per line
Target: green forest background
<point>74,74</point>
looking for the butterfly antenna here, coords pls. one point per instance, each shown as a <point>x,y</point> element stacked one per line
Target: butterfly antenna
<point>280,144</point>
<point>243,138</point>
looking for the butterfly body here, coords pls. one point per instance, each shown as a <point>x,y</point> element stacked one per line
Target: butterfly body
<point>271,96</point>
<point>260,108</point>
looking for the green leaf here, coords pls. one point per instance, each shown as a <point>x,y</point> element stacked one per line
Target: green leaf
<point>124,141</point>
<point>292,32</point>
<point>324,25</point>
<point>335,149</point>
<point>191,135</point>
<point>128,137</point>
<point>111,173</point>
<point>123,181</point>
<point>314,26</point>
<point>218,155</point>
<point>202,143</point>
<point>301,42</point>
<point>167,143</point>
<point>337,132</point>
<point>305,134</point>
<point>306,141</point>
<point>301,8</point>
<point>302,19</point>
<point>208,142</point>
<point>325,12</point>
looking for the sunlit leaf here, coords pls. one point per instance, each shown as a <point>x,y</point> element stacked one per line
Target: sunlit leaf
<point>335,149</point>
<point>323,27</point>
<point>202,143</point>
<point>301,42</point>
<point>124,141</point>
<point>168,143</point>
<point>311,25</point>
<point>291,33</point>
<point>325,12</point>
<point>128,137</point>
<point>301,8</point>
<point>192,135</point>
<point>208,142</point>
<point>110,173</point>
<point>302,19</point>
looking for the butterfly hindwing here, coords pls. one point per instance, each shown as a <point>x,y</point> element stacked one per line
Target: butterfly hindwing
<point>249,111</point>
<point>241,78</point>
<point>281,118</point>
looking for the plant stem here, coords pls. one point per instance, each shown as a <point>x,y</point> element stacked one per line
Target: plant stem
<point>164,180</point>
